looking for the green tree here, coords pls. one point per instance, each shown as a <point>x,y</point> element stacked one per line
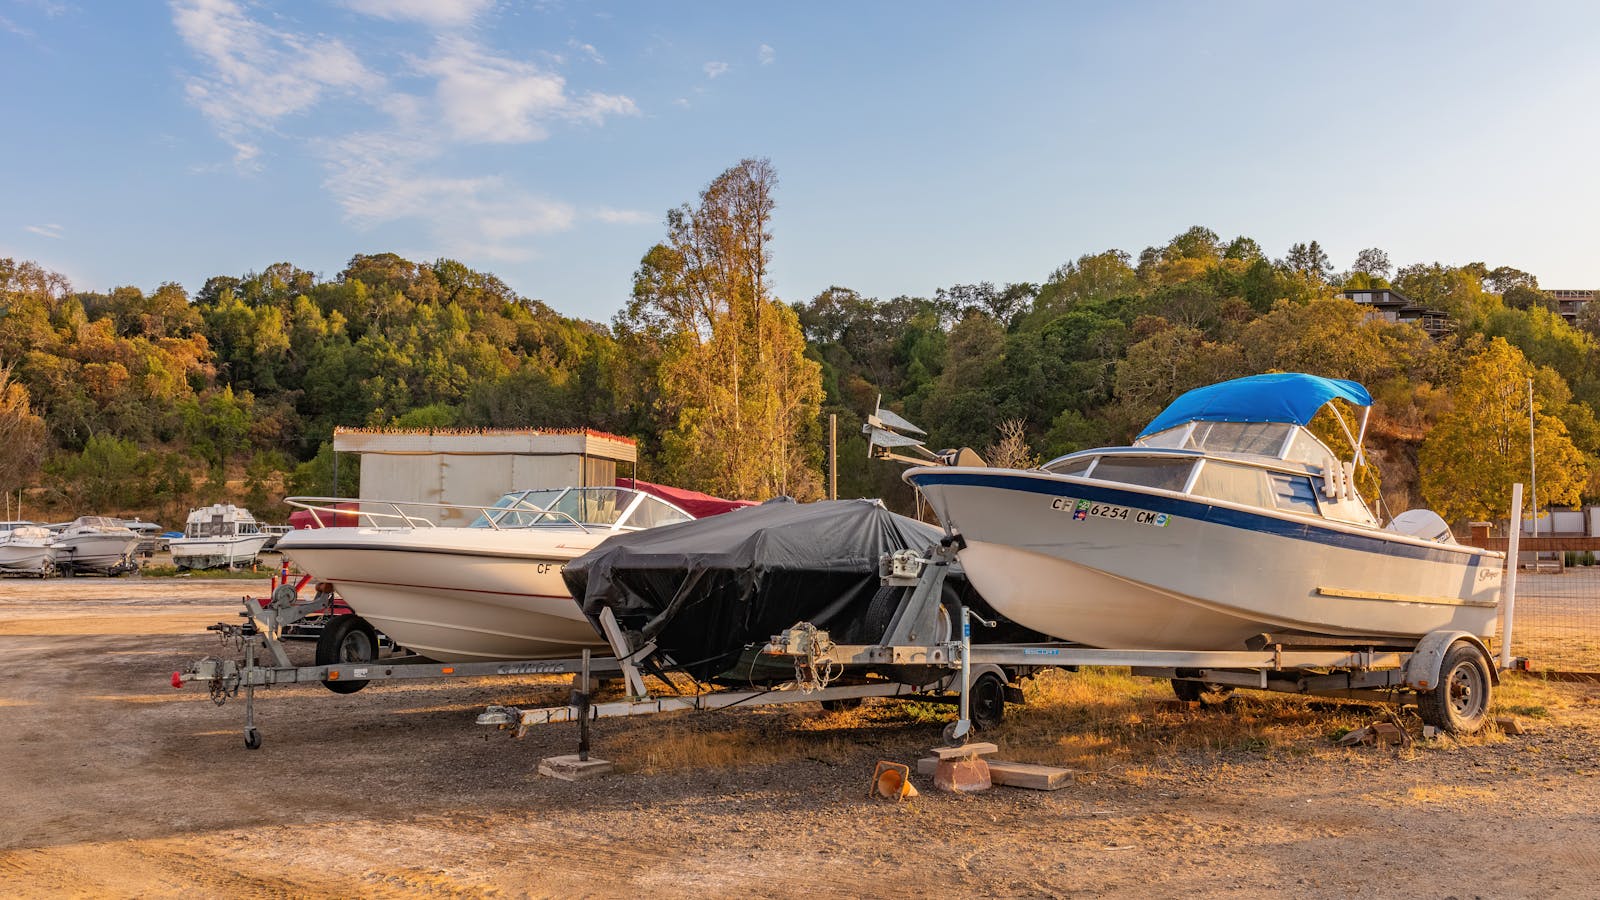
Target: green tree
<point>740,398</point>
<point>1471,458</point>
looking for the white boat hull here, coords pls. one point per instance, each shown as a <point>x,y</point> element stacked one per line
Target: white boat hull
<point>216,553</point>
<point>456,594</point>
<point>92,551</point>
<point>20,558</point>
<point>1156,570</point>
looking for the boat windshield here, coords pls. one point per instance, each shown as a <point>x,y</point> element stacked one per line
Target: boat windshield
<point>605,506</point>
<point>1273,440</point>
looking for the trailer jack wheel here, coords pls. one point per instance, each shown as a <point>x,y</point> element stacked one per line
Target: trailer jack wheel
<point>252,738</point>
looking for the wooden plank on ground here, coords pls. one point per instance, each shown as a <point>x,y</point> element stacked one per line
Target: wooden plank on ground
<point>1029,775</point>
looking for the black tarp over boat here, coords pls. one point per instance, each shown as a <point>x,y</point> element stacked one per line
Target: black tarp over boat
<point>705,590</point>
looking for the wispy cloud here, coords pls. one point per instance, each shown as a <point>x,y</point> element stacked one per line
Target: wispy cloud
<point>8,25</point>
<point>715,69</point>
<point>490,99</point>
<point>408,167</point>
<point>767,55</point>
<point>624,216</point>
<point>53,232</point>
<point>587,50</point>
<point>439,13</point>
<point>257,74</point>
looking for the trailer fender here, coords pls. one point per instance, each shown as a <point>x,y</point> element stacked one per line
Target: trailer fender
<point>1422,667</point>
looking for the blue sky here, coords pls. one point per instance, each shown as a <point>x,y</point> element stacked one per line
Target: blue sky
<point>918,144</point>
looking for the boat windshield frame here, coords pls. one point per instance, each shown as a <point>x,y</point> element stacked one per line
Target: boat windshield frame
<point>628,503</point>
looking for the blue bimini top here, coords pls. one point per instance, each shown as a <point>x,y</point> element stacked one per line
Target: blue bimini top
<point>1280,397</point>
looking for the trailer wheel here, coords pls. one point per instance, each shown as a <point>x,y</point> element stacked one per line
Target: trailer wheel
<point>252,739</point>
<point>1203,692</point>
<point>346,639</point>
<point>1460,703</point>
<point>986,701</point>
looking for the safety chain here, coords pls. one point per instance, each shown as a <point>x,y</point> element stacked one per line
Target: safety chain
<point>816,669</point>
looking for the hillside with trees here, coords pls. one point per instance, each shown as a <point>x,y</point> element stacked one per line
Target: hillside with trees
<point>150,401</point>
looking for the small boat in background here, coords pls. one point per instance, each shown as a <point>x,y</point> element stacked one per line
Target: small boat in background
<point>94,544</point>
<point>25,549</point>
<point>1227,518</point>
<point>220,536</point>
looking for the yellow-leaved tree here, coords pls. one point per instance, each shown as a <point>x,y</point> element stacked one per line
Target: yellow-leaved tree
<point>739,398</point>
<point>1473,455</point>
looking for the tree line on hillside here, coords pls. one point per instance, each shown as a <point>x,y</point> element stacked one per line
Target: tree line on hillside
<point>150,403</point>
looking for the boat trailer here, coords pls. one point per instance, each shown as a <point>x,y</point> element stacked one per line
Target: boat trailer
<point>1449,675</point>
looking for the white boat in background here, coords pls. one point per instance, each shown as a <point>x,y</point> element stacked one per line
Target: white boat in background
<point>94,544</point>
<point>25,549</point>
<point>488,591</point>
<point>220,536</point>
<point>1226,519</point>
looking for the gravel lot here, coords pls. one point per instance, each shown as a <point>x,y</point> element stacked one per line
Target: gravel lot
<point>116,783</point>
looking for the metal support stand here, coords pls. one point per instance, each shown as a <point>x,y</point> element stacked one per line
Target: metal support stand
<point>583,712</point>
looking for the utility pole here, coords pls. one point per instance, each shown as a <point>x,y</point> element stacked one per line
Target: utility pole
<point>1533,464</point>
<point>833,456</point>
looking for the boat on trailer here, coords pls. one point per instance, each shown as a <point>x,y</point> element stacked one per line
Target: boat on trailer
<point>491,590</point>
<point>220,536</point>
<point>1226,519</point>
<point>94,544</point>
<point>25,549</point>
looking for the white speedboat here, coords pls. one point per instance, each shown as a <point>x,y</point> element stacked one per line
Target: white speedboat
<point>94,544</point>
<point>1227,518</point>
<point>25,549</point>
<point>220,536</point>
<point>488,591</point>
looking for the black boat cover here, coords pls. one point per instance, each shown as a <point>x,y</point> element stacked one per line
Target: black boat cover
<point>706,589</point>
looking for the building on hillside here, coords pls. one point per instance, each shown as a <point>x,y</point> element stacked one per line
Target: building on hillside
<point>1570,302</point>
<point>476,468</point>
<point>1393,306</point>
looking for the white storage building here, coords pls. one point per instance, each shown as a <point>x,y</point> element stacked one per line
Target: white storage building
<point>477,467</point>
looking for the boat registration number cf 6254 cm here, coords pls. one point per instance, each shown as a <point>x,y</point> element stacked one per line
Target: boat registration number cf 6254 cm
<point>1083,510</point>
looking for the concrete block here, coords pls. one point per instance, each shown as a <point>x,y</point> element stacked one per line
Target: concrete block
<point>927,765</point>
<point>974,749</point>
<point>962,775</point>
<point>571,768</point>
<point>1029,775</point>
<point>1511,725</point>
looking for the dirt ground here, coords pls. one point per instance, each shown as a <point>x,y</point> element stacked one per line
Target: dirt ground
<point>111,782</point>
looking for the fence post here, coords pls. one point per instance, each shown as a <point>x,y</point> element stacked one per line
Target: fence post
<point>1508,597</point>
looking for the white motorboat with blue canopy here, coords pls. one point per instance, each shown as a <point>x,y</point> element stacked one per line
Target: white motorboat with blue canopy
<point>1227,518</point>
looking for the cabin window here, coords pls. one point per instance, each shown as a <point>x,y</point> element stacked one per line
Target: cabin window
<point>652,512</point>
<point>1294,493</point>
<point>1165,473</point>
<point>1237,484</point>
<point>1077,465</point>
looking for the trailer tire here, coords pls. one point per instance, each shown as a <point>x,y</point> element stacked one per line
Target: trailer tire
<point>252,739</point>
<point>1202,692</point>
<point>347,639</point>
<point>986,701</point>
<point>1460,704</point>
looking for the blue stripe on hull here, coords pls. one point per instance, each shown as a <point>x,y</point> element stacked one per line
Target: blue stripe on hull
<point>1204,512</point>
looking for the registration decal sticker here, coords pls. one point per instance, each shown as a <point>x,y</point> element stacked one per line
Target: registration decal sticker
<point>1084,510</point>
